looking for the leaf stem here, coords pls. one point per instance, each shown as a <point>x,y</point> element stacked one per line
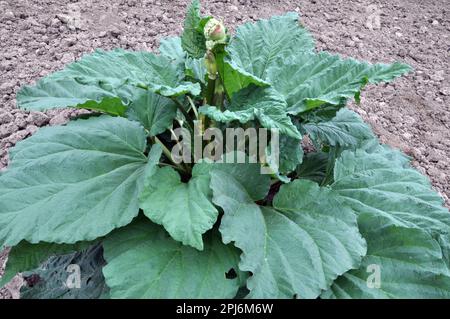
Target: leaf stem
<point>209,95</point>
<point>168,154</point>
<point>218,94</point>
<point>178,168</point>
<point>194,108</point>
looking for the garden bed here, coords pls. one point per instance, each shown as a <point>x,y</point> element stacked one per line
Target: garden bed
<point>38,37</point>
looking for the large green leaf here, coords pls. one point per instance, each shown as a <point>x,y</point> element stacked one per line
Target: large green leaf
<point>381,185</point>
<point>114,69</point>
<point>193,41</point>
<point>48,94</point>
<point>346,129</point>
<point>309,80</point>
<point>295,249</point>
<point>258,46</point>
<point>106,75</point>
<point>144,262</point>
<point>406,262</point>
<point>74,182</point>
<point>184,209</point>
<point>26,256</point>
<point>155,112</point>
<point>264,104</point>
<point>404,223</point>
<point>49,281</point>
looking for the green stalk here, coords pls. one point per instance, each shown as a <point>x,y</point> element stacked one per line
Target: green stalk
<point>175,138</point>
<point>168,154</point>
<point>210,87</point>
<point>194,108</point>
<point>211,68</point>
<point>210,94</point>
<point>219,92</point>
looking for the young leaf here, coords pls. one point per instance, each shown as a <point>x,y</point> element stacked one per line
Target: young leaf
<point>144,262</point>
<point>264,104</point>
<point>193,41</point>
<point>72,183</point>
<point>54,274</point>
<point>346,129</point>
<point>257,46</point>
<point>295,249</point>
<point>309,80</point>
<point>155,112</point>
<point>184,209</point>
<point>400,263</point>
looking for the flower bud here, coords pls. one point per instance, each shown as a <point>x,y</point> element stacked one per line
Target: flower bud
<point>215,30</point>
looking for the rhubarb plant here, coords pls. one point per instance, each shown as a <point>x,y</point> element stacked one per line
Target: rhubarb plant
<point>345,217</point>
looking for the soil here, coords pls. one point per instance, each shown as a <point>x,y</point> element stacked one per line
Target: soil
<point>38,37</point>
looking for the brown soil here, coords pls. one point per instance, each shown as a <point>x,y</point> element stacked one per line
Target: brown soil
<point>413,113</point>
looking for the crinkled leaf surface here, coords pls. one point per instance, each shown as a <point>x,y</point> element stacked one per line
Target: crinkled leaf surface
<point>113,69</point>
<point>346,129</point>
<point>258,46</point>
<point>381,185</point>
<point>291,154</point>
<point>106,75</point>
<point>74,182</point>
<point>196,69</point>
<point>26,256</point>
<point>295,249</point>
<point>184,209</point>
<point>144,262</point>
<point>408,261</point>
<point>192,40</point>
<point>246,174</point>
<point>171,48</point>
<point>403,221</point>
<point>48,94</point>
<point>155,112</point>
<point>313,167</point>
<point>264,104</point>
<point>53,276</point>
<point>309,80</point>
